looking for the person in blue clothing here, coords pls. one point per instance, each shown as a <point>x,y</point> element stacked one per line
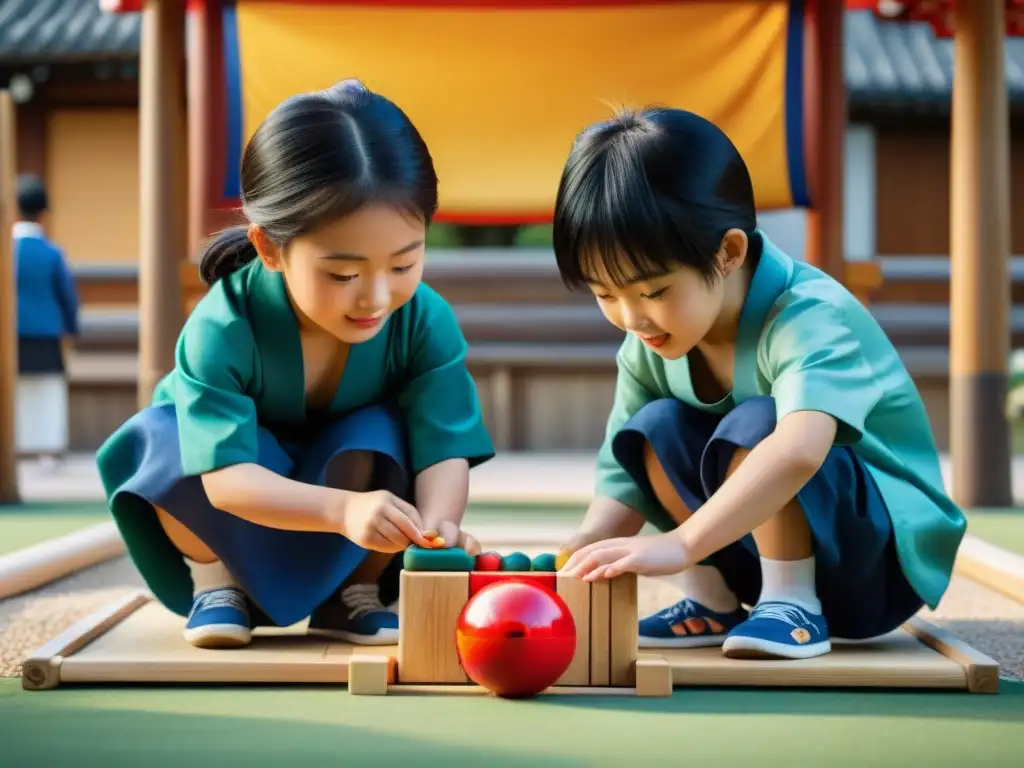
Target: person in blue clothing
<point>320,417</point>
<point>47,318</point>
<point>762,420</point>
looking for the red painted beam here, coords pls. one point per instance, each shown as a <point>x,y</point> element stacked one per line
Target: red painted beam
<point>135,6</point>
<point>937,13</point>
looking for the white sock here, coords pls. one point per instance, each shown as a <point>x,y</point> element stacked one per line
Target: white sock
<point>206,576</point>
<point>706,585</point>
<point>789,581</point>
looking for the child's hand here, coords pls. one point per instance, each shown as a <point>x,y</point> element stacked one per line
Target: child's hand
<point>382,522</point>
<point>660,555</point>
<point>579,541</point>
<point>448,535</point>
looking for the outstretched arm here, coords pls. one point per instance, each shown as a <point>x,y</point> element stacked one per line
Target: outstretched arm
<point>447,434</point>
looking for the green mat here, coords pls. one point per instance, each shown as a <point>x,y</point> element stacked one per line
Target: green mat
<point>27,524</point>
<point>259,726</point>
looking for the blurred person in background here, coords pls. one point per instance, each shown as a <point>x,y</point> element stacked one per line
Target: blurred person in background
<point>47,318</point>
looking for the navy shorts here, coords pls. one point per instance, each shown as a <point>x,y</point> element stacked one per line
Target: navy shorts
<point>285,574</point>
<point>860,583</point>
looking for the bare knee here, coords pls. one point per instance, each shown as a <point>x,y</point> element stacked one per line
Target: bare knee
<point>664,491</point>
<point>351,471</point>
<point>184,540</point>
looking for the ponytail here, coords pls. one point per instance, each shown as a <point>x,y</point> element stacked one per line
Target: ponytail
<point>228,252</point>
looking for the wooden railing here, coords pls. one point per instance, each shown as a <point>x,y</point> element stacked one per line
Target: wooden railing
<point>542,355</point>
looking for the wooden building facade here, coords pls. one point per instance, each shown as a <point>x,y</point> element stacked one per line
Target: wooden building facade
<point>543,357</point>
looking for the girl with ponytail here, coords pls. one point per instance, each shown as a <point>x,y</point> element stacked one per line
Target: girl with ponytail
<point>320,417</point>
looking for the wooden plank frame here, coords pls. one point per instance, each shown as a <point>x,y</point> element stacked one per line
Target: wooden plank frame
<point>919,656</point>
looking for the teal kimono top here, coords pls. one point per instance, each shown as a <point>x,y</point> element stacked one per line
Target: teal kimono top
<point>811,345</point>
<point>239,367</point>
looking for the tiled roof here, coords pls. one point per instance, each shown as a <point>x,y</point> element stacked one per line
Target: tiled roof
<point>888,65</point>
<point>55,30</point>
<point>903,65</point>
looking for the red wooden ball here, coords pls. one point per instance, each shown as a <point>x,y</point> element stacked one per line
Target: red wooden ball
<point>515,639</point>
<point>488,561</point>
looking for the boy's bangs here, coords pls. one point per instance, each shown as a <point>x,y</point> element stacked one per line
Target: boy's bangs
<point>623,238</point>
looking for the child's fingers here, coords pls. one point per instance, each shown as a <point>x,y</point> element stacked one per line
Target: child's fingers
<point>609,571</point>
<point>411,530</point>
<point>597,573</point>
<point>390,532</point>
<point>574,560</point>
<point>469,544</point>
<point>600,557</point>
<point>408,510</point>
<point>580,555</point>
<point>375,542</point>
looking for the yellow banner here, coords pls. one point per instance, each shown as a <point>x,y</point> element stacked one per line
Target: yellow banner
<point>499,94</point>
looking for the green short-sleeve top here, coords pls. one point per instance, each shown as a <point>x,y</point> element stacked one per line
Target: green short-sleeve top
<point>239,366</point>
<point>807,342</point>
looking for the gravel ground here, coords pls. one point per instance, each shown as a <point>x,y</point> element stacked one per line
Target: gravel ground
<point>989,622</point>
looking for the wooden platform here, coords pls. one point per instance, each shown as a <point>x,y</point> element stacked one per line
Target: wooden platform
<point>136,640</point>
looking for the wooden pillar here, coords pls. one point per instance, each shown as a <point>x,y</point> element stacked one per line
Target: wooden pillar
<point>979,255</point>
<point>825,219</point>
<point>205,120</point>
<point>8,304</point>
<point>163,213</point>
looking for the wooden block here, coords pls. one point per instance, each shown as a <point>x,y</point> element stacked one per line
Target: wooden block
<point>428,615</point>
<point>600,623</point>
<point>370,675</point>
<point>623,634</point>
<point>653,676</point>
<point>576,594</point>
<point>982,672</point>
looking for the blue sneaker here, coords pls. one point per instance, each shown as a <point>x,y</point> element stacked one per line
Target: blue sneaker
<point>356,615</point>
<point>778,630</point>
<point>219,619</point>
<point>688,624</point>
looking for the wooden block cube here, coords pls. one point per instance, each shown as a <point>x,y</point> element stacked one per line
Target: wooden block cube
<point>428,616</point>
<point>604,612</point>
<point>653,676</point>
<point>370,675</point>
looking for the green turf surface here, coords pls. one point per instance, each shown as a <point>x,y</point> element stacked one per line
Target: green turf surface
<point>288,726</point>
<point>27,524</point>
<point>1002,527</point>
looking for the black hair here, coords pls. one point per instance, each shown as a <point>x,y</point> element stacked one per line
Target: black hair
<point>319,156</point>
<point>32,199</point>
<point>647,192</point>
